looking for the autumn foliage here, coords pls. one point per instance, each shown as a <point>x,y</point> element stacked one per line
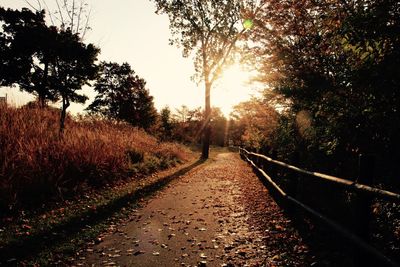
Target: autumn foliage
<point>35,163</point>
<point>253,124</point>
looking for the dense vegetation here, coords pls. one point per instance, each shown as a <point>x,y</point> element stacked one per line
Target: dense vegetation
<point>331,70</point>
<point>36,164</point>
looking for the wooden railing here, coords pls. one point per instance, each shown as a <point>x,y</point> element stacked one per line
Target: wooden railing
<point>364,191</point>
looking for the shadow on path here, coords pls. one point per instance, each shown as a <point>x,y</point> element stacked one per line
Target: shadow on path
<point>327,247</point>
<point>28,247</point>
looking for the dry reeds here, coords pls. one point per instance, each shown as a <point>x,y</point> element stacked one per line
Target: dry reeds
<point>35,163</point>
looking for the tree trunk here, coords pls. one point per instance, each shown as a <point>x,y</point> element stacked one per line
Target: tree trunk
<point>41,100</point>
<point>207,127</point>
<point>65,105</point>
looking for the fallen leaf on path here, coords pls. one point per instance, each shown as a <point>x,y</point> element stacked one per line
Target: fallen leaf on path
<point>171,236</point>
<point>138,252</point>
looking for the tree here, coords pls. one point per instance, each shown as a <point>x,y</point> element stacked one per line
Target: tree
<point>50,62</point>
<point>122,95</point>
<point>166,126</point>
<point>219,131</point>
<point>182,114</point>
<point>254,123</point>
<point>210,30</point>
<point>72,67</point>
<point>188,124</point>
<point>26,43</point>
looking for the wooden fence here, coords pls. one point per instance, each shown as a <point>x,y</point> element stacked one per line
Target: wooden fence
<point>363,199</point>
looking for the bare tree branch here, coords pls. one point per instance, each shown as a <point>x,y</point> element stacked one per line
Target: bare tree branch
<point>87,24</point>
<point>61,15</point>
<point>40,6</point>
<point>67,10</point>
<point>34,8</point>
<point>49,12</point>
<point>79,16</point>
<point>72,15</point>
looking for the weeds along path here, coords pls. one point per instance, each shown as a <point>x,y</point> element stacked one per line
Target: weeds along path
<point>218,213</point>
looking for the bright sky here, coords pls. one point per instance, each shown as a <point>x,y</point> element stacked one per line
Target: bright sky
<point>130,31</point>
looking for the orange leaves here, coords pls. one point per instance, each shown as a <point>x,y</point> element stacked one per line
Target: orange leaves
<point>258,120</point>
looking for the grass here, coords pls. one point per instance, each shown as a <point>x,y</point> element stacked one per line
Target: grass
<point>37,165</point>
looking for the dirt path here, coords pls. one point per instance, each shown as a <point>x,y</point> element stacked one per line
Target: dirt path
<point>218,214</point>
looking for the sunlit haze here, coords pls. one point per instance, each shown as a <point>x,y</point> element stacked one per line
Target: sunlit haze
<point>130,31</point>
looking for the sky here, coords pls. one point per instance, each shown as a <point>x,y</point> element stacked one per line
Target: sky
<point>130,31</point>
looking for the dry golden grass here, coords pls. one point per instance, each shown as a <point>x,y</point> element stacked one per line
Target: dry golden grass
<point>35,163</point>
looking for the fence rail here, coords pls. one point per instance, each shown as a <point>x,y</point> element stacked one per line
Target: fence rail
<point>350,185</point>
<point>357,240</point>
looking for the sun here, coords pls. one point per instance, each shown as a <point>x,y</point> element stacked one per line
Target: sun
<point>232,88</point>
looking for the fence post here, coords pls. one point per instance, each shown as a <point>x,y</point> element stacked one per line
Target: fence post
<point>362,207</point>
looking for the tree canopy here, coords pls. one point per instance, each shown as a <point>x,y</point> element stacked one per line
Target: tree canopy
<point>122,95</point>
<point>253,122</point>
<point>331,67</point>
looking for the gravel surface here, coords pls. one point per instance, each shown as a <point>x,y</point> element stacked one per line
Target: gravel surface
<point>218,214</point>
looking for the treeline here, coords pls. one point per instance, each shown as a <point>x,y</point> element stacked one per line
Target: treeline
<point>186,125</point>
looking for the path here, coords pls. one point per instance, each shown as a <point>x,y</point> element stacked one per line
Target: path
<point>218,214</point>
